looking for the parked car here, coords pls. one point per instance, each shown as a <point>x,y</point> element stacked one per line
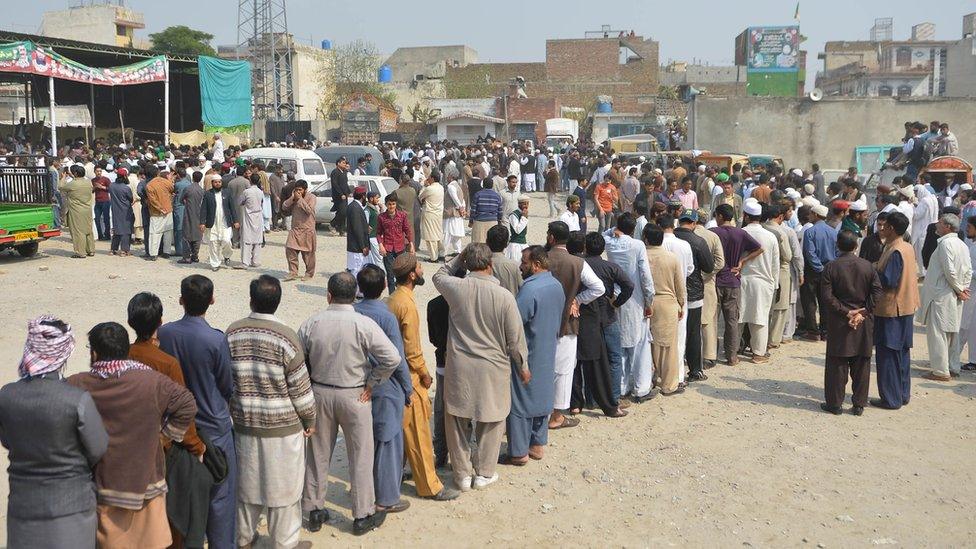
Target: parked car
<point>330,155</point>
<point>304,164</point>
<point>323,193</point>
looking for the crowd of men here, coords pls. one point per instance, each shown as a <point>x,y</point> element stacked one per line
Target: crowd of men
<point>526,335</point>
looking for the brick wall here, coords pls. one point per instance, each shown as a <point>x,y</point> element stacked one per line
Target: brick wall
<point>583,59</point>
<point>532,109</point>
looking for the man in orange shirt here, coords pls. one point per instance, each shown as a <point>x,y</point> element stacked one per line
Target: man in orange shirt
<point>606,197</point>
<point>159,194</point>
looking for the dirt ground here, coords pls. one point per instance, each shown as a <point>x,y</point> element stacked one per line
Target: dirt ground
<point>745,458</point>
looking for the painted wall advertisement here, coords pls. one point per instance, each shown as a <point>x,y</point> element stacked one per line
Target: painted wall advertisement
<point>774,48</point>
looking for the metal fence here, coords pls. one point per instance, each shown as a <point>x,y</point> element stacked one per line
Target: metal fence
<point>24,185</point>
<point>276,130</point>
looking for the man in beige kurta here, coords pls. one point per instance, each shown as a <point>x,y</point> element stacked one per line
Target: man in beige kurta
<point>485,342</point>
<point>301,237</point>
<point>667,309</point>
<point>710,306</point>
<point>77,193</point>
<point>432,217</point>
<point>781,304</point>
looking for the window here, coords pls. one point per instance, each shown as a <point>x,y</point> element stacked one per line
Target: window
<point>120,30</point>
<point>884,91</point>
<point>903,57</point>
<point>389,184</point>
<point>324,190</point>
<point>313,166</point>
<point>904,90</point>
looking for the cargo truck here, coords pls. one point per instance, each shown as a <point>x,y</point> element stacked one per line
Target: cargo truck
<point>26,208</point>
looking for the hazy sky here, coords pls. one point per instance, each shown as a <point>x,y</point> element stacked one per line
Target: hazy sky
<point>516,30</point>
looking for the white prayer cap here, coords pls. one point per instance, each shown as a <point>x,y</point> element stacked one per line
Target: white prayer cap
<point>109,168</point>
<point>809,188</point>
<point>810,201</point>
<point>657,171</point>
<point>752,208</point>
<point>820,210</point>
<point>907,192</point>
<point>701,167</point>
<point>889,208</point>
<point>793,194</point>
<point>965,187</point>
<point>859,205</point>
<point>797,172</point>
<point>642,158</point>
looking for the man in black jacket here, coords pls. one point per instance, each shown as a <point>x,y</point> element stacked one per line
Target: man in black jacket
<point>217,235</point>
<point>340,195</point>
<point>704,263</point>
<point>357,237</point>
<point>598,348</point>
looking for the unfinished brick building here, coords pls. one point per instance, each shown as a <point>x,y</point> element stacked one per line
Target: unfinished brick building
<point>575,72</point>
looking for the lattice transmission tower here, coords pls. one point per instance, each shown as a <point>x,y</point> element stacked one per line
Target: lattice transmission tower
<point>262,37</point>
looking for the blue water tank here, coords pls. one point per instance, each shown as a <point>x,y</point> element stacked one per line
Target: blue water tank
<point>385,75</point>
<point>604,107</point>
<point>327,44</point>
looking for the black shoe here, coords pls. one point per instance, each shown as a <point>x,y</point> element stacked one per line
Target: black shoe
<point>164,256</point>
<point>858,410</point>
<point>645,398</point>
<point>316,519</point>
<point>184,262</point>
<point>697,376</point>
<point>365,524</point>
<point>708,364</point>
<point>440,462</point>
<point>878,403</point>
<point>969,367</point>
<point>836,411</point>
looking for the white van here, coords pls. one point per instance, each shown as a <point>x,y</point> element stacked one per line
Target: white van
<point>304,164</point>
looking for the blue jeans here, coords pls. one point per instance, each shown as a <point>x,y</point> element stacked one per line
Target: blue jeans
<point>102,220</point>
<point>611,336</point>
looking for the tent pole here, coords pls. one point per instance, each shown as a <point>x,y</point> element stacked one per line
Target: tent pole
<point>91,106</point>
<point>54,120</point>
<point>166,105</point>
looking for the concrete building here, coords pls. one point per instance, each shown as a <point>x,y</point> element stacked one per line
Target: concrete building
<point>915,67</point>
<point>961,62</point>
<point>717,81</point>
<point>467,127</point>
<point>417,76</point>
<point>107,24</point>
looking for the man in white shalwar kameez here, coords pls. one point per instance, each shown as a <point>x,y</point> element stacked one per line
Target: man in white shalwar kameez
<point>252,222</point>
<point>926,213</point>
<point>432,217</point>
<point>637,375</point>
<point>454,210</point>
<point>218,233</point>
<point>942,296</point>
<point>686,260</point>
<point>759,279</point>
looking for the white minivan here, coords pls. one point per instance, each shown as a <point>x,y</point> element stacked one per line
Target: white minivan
<point>303,163</point>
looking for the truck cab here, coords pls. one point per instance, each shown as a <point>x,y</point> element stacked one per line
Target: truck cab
<point>26,208</point>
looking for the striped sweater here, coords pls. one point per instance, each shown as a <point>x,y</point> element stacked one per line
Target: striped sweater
<point>272,390</point>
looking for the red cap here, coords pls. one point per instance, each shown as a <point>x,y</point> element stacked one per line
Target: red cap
<point>840,204</point>
<point>358,190</point>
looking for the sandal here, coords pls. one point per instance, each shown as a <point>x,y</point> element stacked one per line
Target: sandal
<point>567,422</point>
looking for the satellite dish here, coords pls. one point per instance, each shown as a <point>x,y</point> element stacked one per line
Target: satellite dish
<point>816,94</point>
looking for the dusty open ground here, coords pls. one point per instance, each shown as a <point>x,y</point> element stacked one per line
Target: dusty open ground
<point>745,458</point>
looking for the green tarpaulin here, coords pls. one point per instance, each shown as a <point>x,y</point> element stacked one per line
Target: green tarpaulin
<point>225,94</point>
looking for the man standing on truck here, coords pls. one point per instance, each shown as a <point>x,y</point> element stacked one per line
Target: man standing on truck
<point>77,193</point>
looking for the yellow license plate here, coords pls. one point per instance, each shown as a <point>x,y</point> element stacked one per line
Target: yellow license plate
<point>28,235</point>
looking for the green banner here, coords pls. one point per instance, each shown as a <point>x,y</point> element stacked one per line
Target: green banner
<point>27,57</point>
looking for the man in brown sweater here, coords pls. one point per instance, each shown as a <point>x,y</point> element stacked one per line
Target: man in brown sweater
<point>159,195</point>
<point>136,405</point>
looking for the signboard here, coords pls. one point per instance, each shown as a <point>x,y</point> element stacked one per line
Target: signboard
<point>27,57</point>
<point>774,48</point>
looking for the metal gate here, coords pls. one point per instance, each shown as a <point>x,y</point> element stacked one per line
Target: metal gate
<point>25,185</point>
<point>276,130</point>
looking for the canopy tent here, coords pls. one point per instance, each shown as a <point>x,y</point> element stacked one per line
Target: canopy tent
<point>139,108</point>
<point>28,58</point>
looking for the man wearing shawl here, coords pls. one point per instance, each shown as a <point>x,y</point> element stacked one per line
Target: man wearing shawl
<point>136,405</point>
<point>52,449</point>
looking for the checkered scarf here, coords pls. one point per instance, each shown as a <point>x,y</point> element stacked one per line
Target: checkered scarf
<point>115,368</point>
<point>47,347</point>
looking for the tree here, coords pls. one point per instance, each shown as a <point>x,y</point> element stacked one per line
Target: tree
<point>355,71</point>
<point>183,40</point>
